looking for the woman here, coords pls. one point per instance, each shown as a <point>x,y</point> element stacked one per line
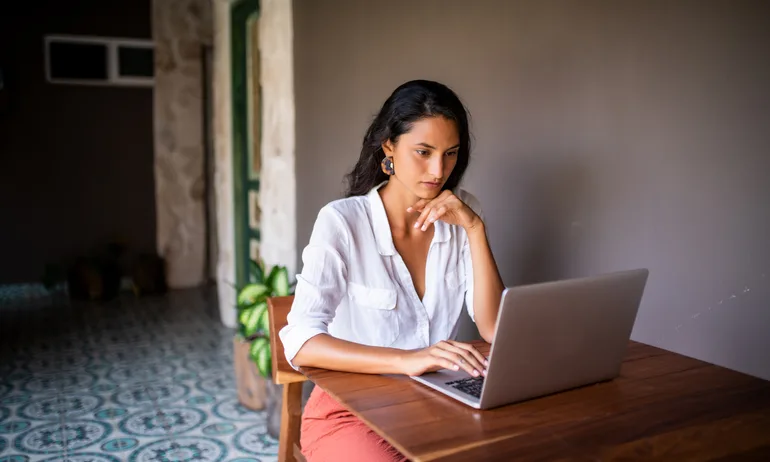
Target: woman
<point>388,268</point>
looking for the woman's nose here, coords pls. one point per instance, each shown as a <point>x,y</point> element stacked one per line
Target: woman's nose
<point>437,167</point>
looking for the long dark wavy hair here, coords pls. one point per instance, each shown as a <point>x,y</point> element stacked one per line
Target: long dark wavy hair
<point>412,101</point>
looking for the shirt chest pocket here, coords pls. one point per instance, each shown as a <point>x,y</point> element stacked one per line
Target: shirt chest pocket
<point>374,319</point>
<point>455,279</point>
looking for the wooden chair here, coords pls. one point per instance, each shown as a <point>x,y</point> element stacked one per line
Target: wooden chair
<point>284,374</point>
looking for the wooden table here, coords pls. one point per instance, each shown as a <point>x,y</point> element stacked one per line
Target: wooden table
<point>664,406</point>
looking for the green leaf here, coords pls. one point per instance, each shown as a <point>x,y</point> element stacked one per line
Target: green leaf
<point>264,362</point>
<point>250,318</point>
<point>260,310</point>
<point>256,273</point>
<point>279,281</point>
<point>243,316</point>
<point>263,323</point>
<point>258,345</point>
<point>251,294</point>
<point>271,276</point>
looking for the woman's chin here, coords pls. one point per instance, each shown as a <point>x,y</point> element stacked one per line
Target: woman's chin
<point>426,196</point>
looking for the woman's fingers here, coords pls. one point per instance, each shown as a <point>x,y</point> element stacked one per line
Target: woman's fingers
<point>459,358</point>
<point>418,206</point>
<point>421,220</point>
<point>434,215</point>
<point>439,362</point>
<point>431,210</point>
<point>447,364</point>
<point>470,348</point>
<point>430,213</point>
<point>422,203</point>
<point>477,362</point>
<point>454,360</point>
<point>423,206</point>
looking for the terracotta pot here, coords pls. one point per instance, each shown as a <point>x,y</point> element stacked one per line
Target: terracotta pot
<point>252,387</point>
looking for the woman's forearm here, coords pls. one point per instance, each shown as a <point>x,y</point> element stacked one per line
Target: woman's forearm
<point>327,352</point>
<point>487,283</point>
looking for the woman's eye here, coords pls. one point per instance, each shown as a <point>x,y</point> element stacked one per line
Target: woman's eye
<point>422,152</point>
<point>451,153</point>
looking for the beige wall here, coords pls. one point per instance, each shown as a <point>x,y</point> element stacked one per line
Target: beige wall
<point>609,135</point>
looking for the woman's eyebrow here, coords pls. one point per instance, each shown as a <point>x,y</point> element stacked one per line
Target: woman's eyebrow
<point>433,147</point>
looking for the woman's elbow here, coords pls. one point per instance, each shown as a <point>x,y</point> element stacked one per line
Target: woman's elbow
<point>303,357</point>
<point>299,360</point>
<point>488,335</point>
<point>487,332</point>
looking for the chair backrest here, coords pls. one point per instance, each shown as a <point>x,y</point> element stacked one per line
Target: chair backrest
<point>278,308</point>
<point>283,374</point>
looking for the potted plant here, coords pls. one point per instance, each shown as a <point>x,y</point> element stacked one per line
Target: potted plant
<point>251,345</point>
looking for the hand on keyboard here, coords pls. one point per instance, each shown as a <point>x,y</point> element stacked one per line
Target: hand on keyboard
<point>447,354</point>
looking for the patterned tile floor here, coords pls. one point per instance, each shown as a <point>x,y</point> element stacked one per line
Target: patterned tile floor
<point>139,380</point>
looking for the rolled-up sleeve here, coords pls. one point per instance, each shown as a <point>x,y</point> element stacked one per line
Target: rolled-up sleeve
<point>471,201</point>
<point>321,284</point>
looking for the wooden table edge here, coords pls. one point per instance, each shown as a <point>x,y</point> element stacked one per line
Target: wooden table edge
<point>308,372</point>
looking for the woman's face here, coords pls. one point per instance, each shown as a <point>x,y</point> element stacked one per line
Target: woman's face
<point>424,157</point>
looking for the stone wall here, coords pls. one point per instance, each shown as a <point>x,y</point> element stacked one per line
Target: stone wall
<point>223,152</point>
<point>278,177</point>
<point>180,30</point>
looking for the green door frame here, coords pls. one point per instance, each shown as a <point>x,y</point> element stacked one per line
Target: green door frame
<point>243,13</point>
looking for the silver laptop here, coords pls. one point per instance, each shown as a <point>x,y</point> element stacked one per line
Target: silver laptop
<point>552,337</point>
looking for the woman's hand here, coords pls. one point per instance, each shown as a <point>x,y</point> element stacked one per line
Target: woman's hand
<point>446,207</point>
<point>446,354</point>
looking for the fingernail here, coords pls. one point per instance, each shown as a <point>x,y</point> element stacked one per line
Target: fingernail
<point>484,372</point>
<point>456,367</point>
<point>486,363</point>
<point>409,209</point>
<point>425,227</point>
<point>417,224</point>
<point>475,373</point>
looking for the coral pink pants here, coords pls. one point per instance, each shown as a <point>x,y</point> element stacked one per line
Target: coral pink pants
<point>331,433</point>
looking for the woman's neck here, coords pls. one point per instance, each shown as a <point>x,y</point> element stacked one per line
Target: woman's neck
<point>397,198</point>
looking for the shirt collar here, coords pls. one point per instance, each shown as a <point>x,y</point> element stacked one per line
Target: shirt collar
<point>382,234</point>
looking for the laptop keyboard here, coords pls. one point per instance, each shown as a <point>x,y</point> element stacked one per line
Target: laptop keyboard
<point>471,385</point>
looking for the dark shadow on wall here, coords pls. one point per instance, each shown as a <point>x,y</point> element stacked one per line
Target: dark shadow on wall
<point>76,161</point>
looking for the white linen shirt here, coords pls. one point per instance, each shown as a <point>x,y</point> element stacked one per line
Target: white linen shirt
<point>355,286</point>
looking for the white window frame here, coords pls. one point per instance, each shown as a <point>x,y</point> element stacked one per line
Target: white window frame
<point>113,75</point>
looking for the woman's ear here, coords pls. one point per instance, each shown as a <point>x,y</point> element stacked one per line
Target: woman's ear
<point>388,148</point>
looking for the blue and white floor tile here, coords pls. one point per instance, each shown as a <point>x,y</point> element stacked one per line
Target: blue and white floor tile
<point>148,380</point>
